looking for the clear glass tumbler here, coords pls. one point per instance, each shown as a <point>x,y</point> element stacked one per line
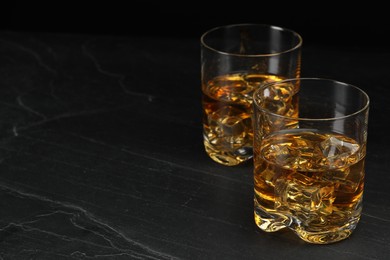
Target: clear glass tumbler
<point>236,60</point>
<point>310,137</point>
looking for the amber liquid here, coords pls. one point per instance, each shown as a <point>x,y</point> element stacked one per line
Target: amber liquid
<point>227,116</point>
<point>309,181</point>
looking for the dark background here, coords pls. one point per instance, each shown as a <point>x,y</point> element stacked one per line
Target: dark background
<point>101,149</point>
<point>320,22</point>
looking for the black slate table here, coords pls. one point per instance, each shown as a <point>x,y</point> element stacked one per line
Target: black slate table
<point>101,154</point>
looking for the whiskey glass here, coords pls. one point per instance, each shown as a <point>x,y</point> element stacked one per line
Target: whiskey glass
<point>235,60</point>
<point>310,138</point>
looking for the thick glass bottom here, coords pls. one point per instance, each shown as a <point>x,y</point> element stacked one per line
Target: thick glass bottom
<point>273,221</point>
<point>228,157</point>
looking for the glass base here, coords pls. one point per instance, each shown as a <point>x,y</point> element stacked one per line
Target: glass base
<point>271,222</point>
<point>326,237</point>
<point>229,158</point>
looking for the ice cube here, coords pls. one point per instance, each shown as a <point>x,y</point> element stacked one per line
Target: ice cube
<point>334,146</point>
<point>338,152</point>
<point>297,154</point>
<point>231,124</point>
<point>231,88</point>
<point>269,172</point>
<point>353,181</point>
<point>304,197</point>
<point>280,91</point>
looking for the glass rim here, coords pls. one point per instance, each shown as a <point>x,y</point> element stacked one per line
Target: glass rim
<point>365,107</point>
<point>274,27</point>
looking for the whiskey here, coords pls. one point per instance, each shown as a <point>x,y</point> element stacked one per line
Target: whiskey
<point>227,116</point>
<point>310,181</point>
